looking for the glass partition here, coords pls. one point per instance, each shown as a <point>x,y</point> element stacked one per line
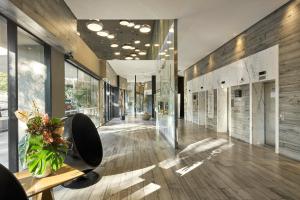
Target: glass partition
<point>166,83</point>
<point>3,94</point>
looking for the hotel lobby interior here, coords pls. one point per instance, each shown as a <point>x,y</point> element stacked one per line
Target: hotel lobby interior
<point>148,99</point>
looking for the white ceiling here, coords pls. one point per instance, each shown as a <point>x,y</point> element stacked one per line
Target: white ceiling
<point>203,25</point>
<point>143,69</point>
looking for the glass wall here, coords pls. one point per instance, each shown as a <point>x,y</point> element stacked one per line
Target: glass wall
<point>166,85</point>
<point>3,94</point>
<point>81,93</point>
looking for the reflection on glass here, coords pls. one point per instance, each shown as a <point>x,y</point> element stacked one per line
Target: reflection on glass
<point>81,93</point>
<point>3,94</point>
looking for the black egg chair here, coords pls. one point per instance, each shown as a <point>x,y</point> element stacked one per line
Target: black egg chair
<point>10,187</point>
<point>85,152</point>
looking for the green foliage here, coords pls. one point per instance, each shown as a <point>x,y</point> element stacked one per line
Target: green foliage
<point>38,155</point>
<point>3,81</point>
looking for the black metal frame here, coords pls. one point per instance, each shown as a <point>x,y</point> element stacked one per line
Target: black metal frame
<point>12,69</point>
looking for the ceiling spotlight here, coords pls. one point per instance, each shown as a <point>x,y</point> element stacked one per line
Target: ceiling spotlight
<point>94,25</point>
<point>103,33</point>
<point>147,45</point>
<point>137,42</point>
<point>171,48</point>
<point>128,58</point>
<point>111,36</point>
<point>131,24</point>
<point>156,45</point>
<point>133,55</point>
<point>117,53</point>
<point>165,50</point>
<point>167,55</point>
<point>136,58</point>
<point>114,45</point>
<point>162,53</point>
<point>127,46</point>
<point>137,26</point>
<point>145,28</point>
<point>142,53</point>
<point>124,23</point>
<point>137,50</point>
<point>169,42</point>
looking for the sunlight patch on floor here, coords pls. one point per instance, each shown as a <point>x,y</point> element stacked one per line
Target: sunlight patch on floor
<point>143,192</point>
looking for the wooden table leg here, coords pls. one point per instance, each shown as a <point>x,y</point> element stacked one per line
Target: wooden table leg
<point>45,195</point>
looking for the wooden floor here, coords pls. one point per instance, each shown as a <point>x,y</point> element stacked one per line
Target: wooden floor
<point>138,164</point>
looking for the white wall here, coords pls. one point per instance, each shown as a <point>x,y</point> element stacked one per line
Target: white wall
<point>244,71</point>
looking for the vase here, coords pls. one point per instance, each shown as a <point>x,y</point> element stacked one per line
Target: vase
<point>46,173</point>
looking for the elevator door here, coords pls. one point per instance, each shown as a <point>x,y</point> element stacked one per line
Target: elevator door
<point>269,95</point>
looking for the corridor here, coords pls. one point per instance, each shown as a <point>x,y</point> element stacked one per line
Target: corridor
<point>138,164</point>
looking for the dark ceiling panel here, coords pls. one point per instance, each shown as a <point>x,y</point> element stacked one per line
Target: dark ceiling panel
<point>123,34</point>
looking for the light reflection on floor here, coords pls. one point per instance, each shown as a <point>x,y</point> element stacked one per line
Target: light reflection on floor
<point>143,192</point>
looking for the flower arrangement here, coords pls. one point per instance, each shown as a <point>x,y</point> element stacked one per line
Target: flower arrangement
<point>43,148</point>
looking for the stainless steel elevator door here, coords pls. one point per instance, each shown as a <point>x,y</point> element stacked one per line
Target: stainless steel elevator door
<point>269,98</point>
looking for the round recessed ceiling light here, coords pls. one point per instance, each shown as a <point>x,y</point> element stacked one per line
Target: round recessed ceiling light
<point>133,55</point>
<point>114,45</point>
<point>137,42</point>
<point>147,45</point>
<point>169,42</point>
<point>136,58</point>
<point>137,50</point>
<point>94,25</point>
<point>142,53</point>
<point>137,26</point>
<point>128,58</point>
<point>124,23</point>
<point>145,28</point>
<point>103,33</point>
<point>127,46</point>
<point>131,24</point>
<point>111,36</point>
<point>156,45</point>
<point>117,53</point>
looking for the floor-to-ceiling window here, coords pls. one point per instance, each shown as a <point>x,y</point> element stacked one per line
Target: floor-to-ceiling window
<point>3,94</point>
<point>32,75</point>
<point>81,93</point>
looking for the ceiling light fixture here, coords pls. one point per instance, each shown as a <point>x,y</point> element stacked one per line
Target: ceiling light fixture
<point>137,26</point>
<point>114,45</point>
<point>136,58</point>
<point>147,45</point>
<point>137,42</point>
<point>167,55</point>
<point>162,53</point>
<point>156,45</point>
<point>137,50</point>
<point>131,24</point>
<point>128,58</point>
<point>124,23</point>
<point>133,55</point>
<point>171,48</point>
<point>103,33</point>
<point>117,53</point>
<point>127,46</point>
<point>94,26</point>
<point>111,36</point>
<point>145,28</point>
<point>142,53</point>
<point>169,42</point>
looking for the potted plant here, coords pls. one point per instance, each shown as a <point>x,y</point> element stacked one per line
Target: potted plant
<point>43,148</point>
